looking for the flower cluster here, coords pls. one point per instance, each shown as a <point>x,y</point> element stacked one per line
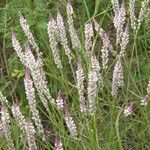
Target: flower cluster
<point>52,30</point>
<point>80,87</point>
<point>31,136</point>
<point>132,14</point>
<point>88,37</point>
<point>92,90</point>
<point>136,22</point>
<point>120,19</point>
<point>142,13</point>
<point>96,66</point>
<point>125,40</point>
<point>38,76</point>
<point>74,37</point>
<point>106,45</point>
<point>63,37</point>
<point>115,5</point>
<point>26,127</point>
<point>30,94</point>
<point>26,29</point>
<point>144,101</point>
<point>117,77</point>
<point>60,101</point>
<point>58,144</point>
<point>128,110</point>
<point>70,122</point>
<point>18,116</point>
<point>6,127</point>
<point>18,49</point>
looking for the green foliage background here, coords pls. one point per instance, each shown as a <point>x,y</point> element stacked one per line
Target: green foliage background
<point>135,131</point>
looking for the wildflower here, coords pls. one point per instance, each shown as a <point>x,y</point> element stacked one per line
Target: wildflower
<point>148,88</point>
<point>60,101</point>
<point>63,38</point>
<point>53,42</point>
<point>115,5</point>
<point>30,93</point>
<point>26,29</point>
<point>88,37</point>
<point>121,20</point>
<point>58,144</point>
<point>31,136</point>
<point>18,48</point>
<point>74,38</point>
<point>6,127</point>
<point>70,122</point>
<point>18,116</point>
<point>125,40</point>
<point>142,12</point>
<point>92,89</point>
<point>117,77</point>
<point>132,14</point>
<point>128,110</point>
<point>144,101</point>
<point>96,66</point>
<point>80,87</point>
<point>106,43</point>
<point>115,20</point>
<point>38,76</point>
<point>46,91</point>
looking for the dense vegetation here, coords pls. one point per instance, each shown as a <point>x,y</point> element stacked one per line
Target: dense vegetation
<point>95,96</point>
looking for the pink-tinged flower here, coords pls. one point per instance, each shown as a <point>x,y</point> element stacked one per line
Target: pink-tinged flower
<point>106,45</point>
<point>31,136</point>
<point>39,77</point>
<point>133,18</point>
<point>6,127</point>
<point>92,90</point>
<point>60,101</point>
<point>144,101</point>
<point>58,144</point>
<point>30,94</point>
<point>115,5</point>
<point>52,30</point>
<point>88,37</point>
<point>63,37</point>
<point>18,116</point>
<point>80,86</point>
<point>18,49</point>
<point>74,37</point>
<point>104,37</point>
<point>144,7</point>
<point>120,22</point>
<point>70,122</point>
<point>125,40</point>
<point>96,66</point>
<point>128,110</point>
<point>117,77</point>
<point>115,21</point>
<point>26,29</point>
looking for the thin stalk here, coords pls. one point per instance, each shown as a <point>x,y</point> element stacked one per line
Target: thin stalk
<point>117,132</point>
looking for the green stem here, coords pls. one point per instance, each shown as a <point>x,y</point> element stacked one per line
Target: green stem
<point>117,132</point>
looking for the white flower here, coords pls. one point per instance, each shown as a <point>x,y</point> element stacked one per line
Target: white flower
<point>144,101</point>
<point>92,90</point>
<point>128,110</point>
<point>117,77</point>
